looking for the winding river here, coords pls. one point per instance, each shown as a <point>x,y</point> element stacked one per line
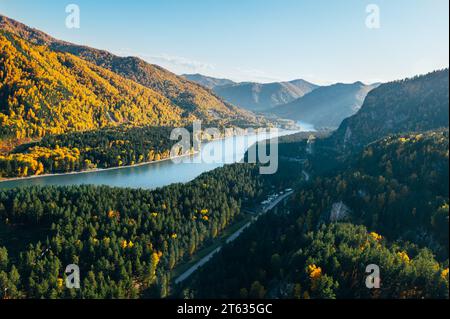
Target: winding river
<point>153,175</point>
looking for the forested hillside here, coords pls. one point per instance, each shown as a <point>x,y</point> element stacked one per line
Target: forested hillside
<point>188,96</point>
<point>126,242</point>
<point>382,200</point>
<point>417,104</point>
<point>389,207</point>
<point>50,87</point>
<point>97,149</point>
<point>43,92</point>
<point>375,191</point>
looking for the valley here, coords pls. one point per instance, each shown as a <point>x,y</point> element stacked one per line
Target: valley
<point>158,172</point>
<point>94,172</point>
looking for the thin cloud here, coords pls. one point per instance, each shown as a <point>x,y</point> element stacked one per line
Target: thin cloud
<point>175,64</point>
<point>182,62</point>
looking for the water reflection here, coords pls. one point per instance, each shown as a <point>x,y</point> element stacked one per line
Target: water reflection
<point>213,155</point>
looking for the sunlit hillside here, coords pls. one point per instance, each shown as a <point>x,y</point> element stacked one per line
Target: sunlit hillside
<point>44,92</point>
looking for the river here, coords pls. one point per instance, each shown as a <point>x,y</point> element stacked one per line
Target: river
<point>153,175</point>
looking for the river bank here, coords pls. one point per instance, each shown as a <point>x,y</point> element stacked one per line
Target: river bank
<point>154,174</point>
<point>94,170</point>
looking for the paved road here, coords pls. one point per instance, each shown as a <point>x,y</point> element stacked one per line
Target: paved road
<point>277,201</point>
<point>200,263</point>
<point>306,175</point>
<point>231,238</point>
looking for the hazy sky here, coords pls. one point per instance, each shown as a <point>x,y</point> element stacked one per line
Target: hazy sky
<point>322,41</point>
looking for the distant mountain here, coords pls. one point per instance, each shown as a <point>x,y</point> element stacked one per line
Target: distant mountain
<point>326,106</point>
<point>261,97</point>
<point>189,96</point>
<point>255,96</point>
<point>417,104</point>
<point>207,81</point>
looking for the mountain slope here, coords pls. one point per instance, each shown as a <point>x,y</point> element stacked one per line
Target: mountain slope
<point>207,81</point>
<point>44,92</point>
<point>387,202</point>
<point>187,95</point>
<point>258,96</point>
<point>417,104</point>
<point>326,106</point>
<point>391,209</point>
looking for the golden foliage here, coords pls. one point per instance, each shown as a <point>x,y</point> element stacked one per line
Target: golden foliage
<point>45,92</point>
<point>444,274</point>
<point>404,256</point>
<point>314,272</point>
<point>154,261</point>
<point>60,282</point>
<point>30,163</point>
<point>113,214</point>
<point>376,236</point>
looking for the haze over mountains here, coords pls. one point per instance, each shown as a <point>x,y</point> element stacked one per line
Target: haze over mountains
<point>208,81</point>
<point>326,106</point>
<point>255,96</point>
<point>298,100</point>
<point>417,104</point>
<point>184,98</point>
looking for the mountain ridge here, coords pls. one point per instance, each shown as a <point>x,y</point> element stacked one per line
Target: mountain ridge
<point>187,95</point>
<point>207,81</point>
<point>415,104</point>
<point>326,106</point>
<point>45,92</point>
<point>255,96</point>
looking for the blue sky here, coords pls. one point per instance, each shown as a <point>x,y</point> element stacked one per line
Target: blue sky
<point>323,41</point>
